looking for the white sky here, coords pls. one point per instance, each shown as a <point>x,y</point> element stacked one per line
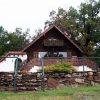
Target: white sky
<point>30,13</point>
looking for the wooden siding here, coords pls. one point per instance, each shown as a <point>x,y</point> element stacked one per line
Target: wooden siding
<point>62,44</point>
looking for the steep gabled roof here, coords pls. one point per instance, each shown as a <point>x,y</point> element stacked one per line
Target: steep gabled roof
<point>47,30</point>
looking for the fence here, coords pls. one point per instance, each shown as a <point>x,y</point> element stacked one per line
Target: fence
<point>14,72</point>
<point>36,81</point>
<point>90,62</point>
<point>11,80</point>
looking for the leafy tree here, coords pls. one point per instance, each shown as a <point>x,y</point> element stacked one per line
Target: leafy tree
<point>14,41</point>
<point>83,25</point>
<point>89,21</point>
<point>3,40</point>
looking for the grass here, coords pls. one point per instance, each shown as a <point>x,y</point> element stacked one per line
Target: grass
<point>79,93</point>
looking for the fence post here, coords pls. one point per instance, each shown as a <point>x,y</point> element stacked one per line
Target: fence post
<point>15,73</point>
<point>42,74</point>
<point>83,67</point>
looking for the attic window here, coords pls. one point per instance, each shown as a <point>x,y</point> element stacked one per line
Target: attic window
<point>53,42</point>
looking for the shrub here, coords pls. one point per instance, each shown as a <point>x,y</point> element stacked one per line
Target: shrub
<point>60,67</point>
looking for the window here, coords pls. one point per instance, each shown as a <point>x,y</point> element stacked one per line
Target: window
<point>69,54</point>
<point>35,55</point>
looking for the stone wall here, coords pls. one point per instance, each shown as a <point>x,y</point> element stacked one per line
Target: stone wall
<point>34,81</point>
<point>24,81</point>
<point>75,79</point>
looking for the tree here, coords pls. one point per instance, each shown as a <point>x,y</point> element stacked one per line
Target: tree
<point>89,21</point>
<point>14,41</point>
<point>3,40</point>
<point>83,25</point>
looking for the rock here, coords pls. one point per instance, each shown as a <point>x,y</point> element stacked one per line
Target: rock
<point>52,83</point>
<point>79,80</point>
<point>60,86</point>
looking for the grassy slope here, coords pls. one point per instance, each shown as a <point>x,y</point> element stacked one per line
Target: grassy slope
<point>58,94</point>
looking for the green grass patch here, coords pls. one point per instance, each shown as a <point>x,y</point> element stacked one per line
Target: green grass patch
<point>67,93</point>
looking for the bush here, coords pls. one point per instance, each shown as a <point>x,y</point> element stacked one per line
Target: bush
<point>60,67</point>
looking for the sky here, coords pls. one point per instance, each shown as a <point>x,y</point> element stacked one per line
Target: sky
<point>30,14</point>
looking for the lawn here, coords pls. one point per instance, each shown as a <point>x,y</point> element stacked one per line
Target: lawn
<point>68,93</point>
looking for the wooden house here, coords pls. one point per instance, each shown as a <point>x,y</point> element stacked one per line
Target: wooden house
<point>52,43</point>
<point>53,46</point>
